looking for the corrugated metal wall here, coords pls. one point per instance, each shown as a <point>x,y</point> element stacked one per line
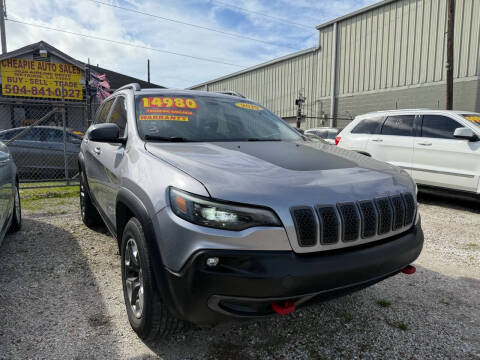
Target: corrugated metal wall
<point>400,44</point>
<point>276,86</point>
<point>404,43</point>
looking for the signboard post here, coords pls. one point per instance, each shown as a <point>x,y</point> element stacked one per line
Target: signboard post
<point>40,79</point>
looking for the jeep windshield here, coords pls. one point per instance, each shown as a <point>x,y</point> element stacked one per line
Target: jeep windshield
<point>179,118</point>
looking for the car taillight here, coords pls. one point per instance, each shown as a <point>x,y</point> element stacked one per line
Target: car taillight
<point>337,140</point>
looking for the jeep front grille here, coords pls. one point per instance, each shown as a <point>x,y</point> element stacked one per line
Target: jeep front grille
<point>350,220</point>
<point>329,224</point>
<point>305,225</point>
<point>353,221</point>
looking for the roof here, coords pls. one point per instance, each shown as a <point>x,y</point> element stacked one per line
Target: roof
<point>432,111</point>
<point>270,62</point>
<point>39,46</point>
<point>115,79</point>
<point>187,92</point>
<point>355,13</point>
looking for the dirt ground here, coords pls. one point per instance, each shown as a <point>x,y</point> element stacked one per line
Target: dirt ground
<point>61,298</point>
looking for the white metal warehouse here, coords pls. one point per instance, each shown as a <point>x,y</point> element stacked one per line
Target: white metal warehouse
<point>385,56</point>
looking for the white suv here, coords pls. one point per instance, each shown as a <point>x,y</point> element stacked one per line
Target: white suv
<point>437,148</point>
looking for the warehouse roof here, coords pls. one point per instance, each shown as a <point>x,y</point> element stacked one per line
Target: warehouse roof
<point>355,13</point>
<point>267,63</point>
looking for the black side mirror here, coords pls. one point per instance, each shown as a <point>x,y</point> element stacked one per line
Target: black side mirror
<point>465,133</point>
<point>108,133</point>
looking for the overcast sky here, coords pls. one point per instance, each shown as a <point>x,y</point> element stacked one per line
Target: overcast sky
<point>91,18</point>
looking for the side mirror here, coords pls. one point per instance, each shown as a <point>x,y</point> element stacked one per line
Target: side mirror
<point>465,133</point>
<point>108,133</point>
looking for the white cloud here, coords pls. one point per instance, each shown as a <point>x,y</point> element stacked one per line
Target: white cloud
<point>87,17</point>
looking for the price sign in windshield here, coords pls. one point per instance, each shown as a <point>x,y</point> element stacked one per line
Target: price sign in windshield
<point>169,102</point>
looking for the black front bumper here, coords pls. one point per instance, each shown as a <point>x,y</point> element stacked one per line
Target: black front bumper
<point>245,283</point>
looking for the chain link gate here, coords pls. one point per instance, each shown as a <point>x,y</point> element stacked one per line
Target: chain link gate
<point>44,139</point>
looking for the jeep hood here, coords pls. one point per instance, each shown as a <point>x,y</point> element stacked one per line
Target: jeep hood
<point>291,172</point>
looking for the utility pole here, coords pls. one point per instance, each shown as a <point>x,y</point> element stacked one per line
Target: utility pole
<point>299,102</point>
<point>3,15</point>
<point>449,65</point>
<point>148,70</point>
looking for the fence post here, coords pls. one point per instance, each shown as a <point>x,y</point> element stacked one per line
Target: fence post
<point>65,137</point>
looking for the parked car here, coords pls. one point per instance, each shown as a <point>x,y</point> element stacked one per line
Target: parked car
<point>216,202</point>
<point>326,133</point>
<point>39,152</point>
<point>437,148</point>
<point>10,210</point>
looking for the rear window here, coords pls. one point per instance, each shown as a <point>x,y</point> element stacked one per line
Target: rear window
<point>208,118</point>
<point>398,125</point>
<point>473,118</point>
<point>367,126</point>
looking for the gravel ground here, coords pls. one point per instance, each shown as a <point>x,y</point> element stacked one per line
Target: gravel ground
<point>61,298</point>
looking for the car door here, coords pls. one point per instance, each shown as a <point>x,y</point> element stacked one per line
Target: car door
<point>110,157</point>
<point>440,159</point>
<point>393,143</point>
<point>93,167</point>
<point>52,141</point>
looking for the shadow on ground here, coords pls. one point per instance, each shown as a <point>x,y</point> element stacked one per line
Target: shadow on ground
<point>50,304</point>
<point>449,201</point>
<point>426,315</point>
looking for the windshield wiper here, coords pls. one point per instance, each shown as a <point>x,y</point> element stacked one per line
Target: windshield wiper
<point>165,138</point>
<point>263,139</point>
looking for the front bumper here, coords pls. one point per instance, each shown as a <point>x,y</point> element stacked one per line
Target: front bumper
<point>245,283</point>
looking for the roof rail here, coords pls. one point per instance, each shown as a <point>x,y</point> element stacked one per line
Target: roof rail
<point>133,86</point>
<point>233,93</point>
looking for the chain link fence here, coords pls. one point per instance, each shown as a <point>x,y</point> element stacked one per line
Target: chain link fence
<point>44,139</point>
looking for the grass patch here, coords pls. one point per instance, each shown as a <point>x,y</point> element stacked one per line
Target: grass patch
<point>49,193</point>
<point>472,245</point>
<point>402,326</point>
<point>384,303</point>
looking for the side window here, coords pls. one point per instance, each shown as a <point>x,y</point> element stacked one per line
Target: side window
<point>102,114</point>
<point>52,135</point>
<point>119,115</point>
<point>367,126</point>
<point>399,125</point>
<point>437,126</point>
<point>7,135</point>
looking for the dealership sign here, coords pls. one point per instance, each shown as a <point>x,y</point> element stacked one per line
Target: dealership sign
<point>40,79</point>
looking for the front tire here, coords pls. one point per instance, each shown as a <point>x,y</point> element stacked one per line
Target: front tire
<point>89,213</point>
<point>16,223</point>
<point>147,314</point>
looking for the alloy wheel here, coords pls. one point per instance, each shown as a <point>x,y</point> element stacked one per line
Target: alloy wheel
<point>134,278</point>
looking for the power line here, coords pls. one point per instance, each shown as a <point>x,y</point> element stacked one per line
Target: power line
<point>285,21</point>
<point>192,25</point>
<point>126,43</point>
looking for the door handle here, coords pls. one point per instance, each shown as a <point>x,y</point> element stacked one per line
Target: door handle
<point>97,150</point>
<point>425,143</point>
<point>377,140</point>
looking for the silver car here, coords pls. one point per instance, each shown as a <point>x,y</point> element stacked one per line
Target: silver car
<point>10,210</point>
<point>326,133</point>
<point>39,152</point>
<point>221,210</point>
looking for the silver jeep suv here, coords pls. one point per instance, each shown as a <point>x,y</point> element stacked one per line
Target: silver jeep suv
<point>221,210</point>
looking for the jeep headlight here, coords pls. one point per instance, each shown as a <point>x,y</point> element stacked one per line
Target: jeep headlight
<point>202,211</point>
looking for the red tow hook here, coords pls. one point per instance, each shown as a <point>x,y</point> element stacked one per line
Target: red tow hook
<point>287,308</point>
<point>409,269</point>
